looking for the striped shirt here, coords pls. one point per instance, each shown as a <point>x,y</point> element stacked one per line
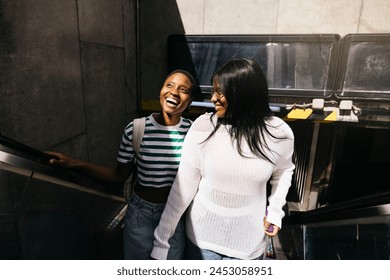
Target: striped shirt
<point>160,151</point>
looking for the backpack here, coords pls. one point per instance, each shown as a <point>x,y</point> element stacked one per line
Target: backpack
<point>138,134</point>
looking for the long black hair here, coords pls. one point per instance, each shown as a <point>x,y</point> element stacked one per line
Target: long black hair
<point>245,88</point>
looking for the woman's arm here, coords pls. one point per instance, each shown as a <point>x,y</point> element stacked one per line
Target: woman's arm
<point>181,195</point>
<point>119,174</point>
<point>280,182</point>
<point>182,192</point>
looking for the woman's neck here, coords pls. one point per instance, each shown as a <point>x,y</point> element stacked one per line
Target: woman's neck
<point>167,120</point>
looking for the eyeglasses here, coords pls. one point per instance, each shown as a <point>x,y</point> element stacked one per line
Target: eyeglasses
<point>217,92</point>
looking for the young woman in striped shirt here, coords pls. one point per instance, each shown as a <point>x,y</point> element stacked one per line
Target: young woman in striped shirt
<point>157,164</point>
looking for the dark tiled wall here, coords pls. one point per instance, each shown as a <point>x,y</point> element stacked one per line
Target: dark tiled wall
<point>67,83</point>
<point>65,67</point>
<point>157,20</point>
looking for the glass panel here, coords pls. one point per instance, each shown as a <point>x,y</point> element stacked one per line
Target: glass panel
<point>349,242</point>
<point>40,220</point>
<point>352,233</point>
<point>368,68</point>
<point>365,67</point>
<point>362,164</point>
<point>293,65</point>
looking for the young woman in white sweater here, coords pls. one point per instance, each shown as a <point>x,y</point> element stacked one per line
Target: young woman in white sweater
<point>227,159</point>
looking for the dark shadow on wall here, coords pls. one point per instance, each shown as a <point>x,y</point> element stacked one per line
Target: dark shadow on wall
<point>68,82</point>
<point>67,72</point>
<point>41,89</point>
<point>67,75</point>
<point>157,20</point>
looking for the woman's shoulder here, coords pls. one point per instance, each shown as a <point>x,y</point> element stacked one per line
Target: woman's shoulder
<point>279,126</point>
<point>203,122</point>
<point>205,118</point>
<point>185,121</point>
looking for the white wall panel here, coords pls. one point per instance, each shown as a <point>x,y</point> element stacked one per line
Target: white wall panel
<point>240,17</point>
<point>192,13</point>
<point>375,16</point>
<point>284,16</point>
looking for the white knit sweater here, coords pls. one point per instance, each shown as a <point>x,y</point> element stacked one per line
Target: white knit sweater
<point>225,193</point>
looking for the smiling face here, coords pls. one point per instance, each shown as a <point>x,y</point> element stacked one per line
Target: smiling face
<point>219,100</point>
<point>175,95</point>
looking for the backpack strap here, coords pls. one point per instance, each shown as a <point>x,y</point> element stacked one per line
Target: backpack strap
<point>138,133</point>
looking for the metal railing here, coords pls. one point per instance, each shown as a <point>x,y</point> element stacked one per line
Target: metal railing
<point>22,159</point>
<point>357,229</point>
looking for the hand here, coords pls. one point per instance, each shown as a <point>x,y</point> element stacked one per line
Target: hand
<point>62,160</point>
<point>270,229</point>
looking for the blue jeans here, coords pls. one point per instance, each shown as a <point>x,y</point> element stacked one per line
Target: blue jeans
<point>141,219</point>
<point>196,253</point>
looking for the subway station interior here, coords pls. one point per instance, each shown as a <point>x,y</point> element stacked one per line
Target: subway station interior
<point>74,73</point>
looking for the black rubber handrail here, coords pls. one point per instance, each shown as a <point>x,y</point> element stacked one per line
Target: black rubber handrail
<point>17,157</point>
<point>339,211</point>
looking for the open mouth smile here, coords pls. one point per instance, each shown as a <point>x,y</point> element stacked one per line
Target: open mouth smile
<point>172,101</point>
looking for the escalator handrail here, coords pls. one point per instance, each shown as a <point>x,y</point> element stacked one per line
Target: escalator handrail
<point>363,206</point>
<point>20,157</point>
